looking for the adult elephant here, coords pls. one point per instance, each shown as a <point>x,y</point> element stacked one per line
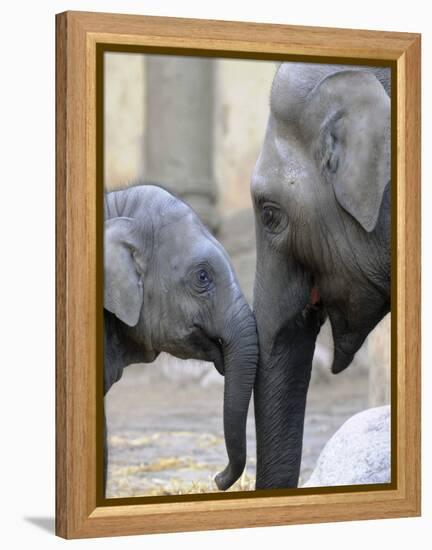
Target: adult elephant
<point>169,286</point>
<point>321,193</point>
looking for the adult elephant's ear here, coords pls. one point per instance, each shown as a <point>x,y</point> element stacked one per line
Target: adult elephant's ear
<point>354,148</point>
<point>123,290</point>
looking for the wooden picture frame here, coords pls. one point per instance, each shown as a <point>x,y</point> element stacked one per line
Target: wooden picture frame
<point>80,510</point>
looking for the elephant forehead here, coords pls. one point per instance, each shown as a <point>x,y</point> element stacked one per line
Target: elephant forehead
<point>174,216</point>
<point>282,162</point>
<point>291,85</point>
<point>186,242</point>
<point>177,230</point>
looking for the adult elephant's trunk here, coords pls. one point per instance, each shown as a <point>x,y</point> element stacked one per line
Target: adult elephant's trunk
<point>240,350</point>
<point>280,401</point>
<point>287,329</point>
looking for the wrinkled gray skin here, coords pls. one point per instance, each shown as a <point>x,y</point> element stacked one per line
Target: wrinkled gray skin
<point>169,286</point>
<point>321,192</point>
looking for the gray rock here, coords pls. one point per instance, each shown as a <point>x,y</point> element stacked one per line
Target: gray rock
<point>358,453</point>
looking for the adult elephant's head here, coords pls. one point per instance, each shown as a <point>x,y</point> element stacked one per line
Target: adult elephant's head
<point>321,194</point>
<point>171,287</point>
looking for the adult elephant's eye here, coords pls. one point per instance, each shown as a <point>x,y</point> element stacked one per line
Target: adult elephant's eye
<point>273,219</point>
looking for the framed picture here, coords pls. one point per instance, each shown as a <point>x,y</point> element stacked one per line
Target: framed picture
<point>238,221</point>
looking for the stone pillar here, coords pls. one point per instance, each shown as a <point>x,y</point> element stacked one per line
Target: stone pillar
<point>179,136</point>
<point>379,353</point>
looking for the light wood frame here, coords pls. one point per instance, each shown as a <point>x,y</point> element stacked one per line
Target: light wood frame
<point>78,509</point>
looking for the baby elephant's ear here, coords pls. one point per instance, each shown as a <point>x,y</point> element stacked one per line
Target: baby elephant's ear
<point>355,141</point>
<point>123,290</point>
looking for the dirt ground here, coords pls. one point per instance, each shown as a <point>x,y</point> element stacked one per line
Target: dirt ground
<point>166,436</point>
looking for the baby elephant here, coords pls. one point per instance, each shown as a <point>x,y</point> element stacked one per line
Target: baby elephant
<point>169,286</point>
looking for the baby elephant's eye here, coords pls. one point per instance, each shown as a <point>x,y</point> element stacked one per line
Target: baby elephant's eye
<point>203,276</point>
<point>203,280</point>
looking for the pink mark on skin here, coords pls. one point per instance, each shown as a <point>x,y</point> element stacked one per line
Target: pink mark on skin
<point>314,296</point>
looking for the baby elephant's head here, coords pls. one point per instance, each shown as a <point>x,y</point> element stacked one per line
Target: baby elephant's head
<point>171,284</point>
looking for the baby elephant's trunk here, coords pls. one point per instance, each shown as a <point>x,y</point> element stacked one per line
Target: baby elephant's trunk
<point>240,347</point>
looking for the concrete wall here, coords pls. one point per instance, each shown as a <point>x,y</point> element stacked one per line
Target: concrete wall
<point>125,121</point>
<point>379,354</point>
<point>241,112</point>
<point>238,124</point>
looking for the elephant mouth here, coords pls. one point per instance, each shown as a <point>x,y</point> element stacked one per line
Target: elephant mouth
<point>310,318</point>
<point>218,359</point>
<point>344,345</point>
<point>212,349</point>
<point>315,297</point>
<point>315,307</point>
